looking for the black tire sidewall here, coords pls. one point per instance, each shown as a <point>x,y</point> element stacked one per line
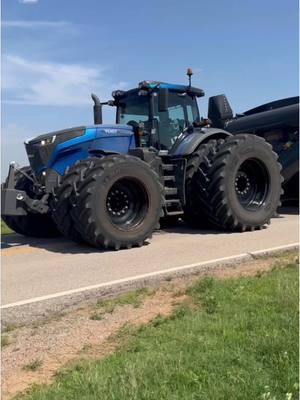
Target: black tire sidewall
<point>252,148</point>
<point>62,204</point>
<point>103,184</point>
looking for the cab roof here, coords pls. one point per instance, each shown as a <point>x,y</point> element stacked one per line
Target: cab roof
<point>146,85</point>
<point>171,86</point>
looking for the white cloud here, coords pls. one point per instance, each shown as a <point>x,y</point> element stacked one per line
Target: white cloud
<point>34,24</point>
<point>56,84</point>
<point>12,148</point>
<point>28,1</point>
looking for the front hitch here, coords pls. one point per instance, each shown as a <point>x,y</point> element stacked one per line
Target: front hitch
<point>17,202</point>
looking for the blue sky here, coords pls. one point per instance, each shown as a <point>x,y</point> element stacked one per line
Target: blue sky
<point>55,53</point>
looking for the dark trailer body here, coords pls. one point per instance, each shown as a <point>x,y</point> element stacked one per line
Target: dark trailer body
<point>277,122</point>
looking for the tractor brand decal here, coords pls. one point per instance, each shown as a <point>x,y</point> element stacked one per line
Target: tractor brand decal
<point>111,131</point>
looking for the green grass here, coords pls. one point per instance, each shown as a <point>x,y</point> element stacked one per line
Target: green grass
<point>5,230</point>
<point>134,298</point>
<point>237,339</point>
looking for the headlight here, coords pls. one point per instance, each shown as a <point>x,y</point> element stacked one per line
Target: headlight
<point>48,140</point>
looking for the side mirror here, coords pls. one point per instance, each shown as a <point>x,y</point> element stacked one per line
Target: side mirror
<point>219,110</point>
<point>163,100</point>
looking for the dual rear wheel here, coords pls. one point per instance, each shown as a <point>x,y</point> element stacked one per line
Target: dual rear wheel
<point>233,184</point>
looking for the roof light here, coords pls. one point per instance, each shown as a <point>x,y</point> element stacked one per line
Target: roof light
<point>189,72</point>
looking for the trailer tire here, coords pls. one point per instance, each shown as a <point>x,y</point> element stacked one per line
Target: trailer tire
<point>119,202</point>
<point>238,184</point>
<point>36,225</point>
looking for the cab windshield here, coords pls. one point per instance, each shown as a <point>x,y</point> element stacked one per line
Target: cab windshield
<point>182,111</point>
<point>133,110</point>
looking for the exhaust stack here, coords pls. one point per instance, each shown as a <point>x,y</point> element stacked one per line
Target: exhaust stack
<point>97,109</point>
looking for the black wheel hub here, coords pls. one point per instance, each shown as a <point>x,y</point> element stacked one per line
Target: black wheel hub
<point>252,184</point>
<point>242,183</point>
<point>117,202</point>
<point>127,203</point>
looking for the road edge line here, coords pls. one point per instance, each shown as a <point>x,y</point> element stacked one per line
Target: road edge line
<point>135,278</point>
<point>164,274</point>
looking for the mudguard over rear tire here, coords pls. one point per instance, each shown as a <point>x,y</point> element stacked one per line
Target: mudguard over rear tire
<point>119,202</point>
<point>237,183</point>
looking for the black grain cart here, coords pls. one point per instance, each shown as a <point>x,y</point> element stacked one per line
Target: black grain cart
<point>277,122</point>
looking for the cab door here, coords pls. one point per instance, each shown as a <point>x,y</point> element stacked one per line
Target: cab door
<point>171,122</point>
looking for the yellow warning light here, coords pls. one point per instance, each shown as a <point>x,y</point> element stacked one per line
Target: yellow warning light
<point>189,72</point>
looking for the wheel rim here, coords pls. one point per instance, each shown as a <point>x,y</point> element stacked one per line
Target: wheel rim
<point>127,203</point>
<point>252,184</point>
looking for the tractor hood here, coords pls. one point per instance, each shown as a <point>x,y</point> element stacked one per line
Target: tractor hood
<point>61,149</point>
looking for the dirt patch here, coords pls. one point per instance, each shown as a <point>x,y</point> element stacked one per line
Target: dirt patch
<point>53,344</point>
<point>34,353</point>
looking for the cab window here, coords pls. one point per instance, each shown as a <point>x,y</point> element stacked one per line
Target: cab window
<point>134,110</point>
<point>171,122</point>
<point>192,110</point>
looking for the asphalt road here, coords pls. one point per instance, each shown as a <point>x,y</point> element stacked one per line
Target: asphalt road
<point>34,268</point>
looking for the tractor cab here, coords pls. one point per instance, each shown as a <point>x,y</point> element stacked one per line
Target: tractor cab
<point>159,112</point>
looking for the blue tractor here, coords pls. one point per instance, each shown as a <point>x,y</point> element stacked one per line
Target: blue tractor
<point>111,185</point>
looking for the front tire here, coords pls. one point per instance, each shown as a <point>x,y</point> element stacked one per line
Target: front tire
<point>62,203</point>
<point>119,202</point>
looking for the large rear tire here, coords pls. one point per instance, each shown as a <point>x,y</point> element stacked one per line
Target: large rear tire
<point>237,185</point>
<point>194,215</point>
<point>32,224</point>
<point>119,202</point>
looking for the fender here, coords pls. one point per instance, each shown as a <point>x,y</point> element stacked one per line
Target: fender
<point>193,140</point>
